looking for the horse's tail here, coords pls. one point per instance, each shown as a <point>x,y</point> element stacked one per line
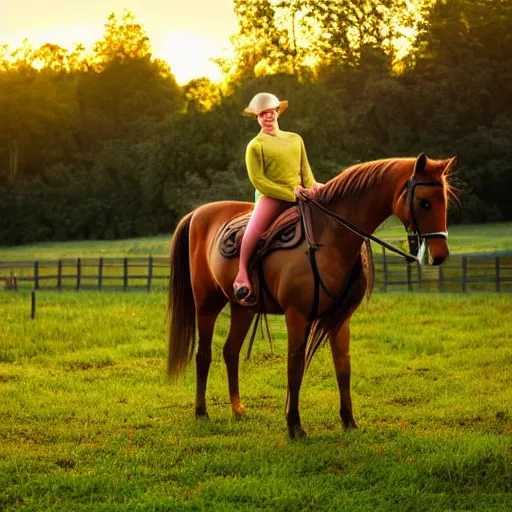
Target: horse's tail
<point>181,309</point>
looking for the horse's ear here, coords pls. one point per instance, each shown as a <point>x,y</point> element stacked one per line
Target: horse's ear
<point>420,164</point>
<point>451,163</point>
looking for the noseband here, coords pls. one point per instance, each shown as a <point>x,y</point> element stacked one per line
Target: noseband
<point>417,239</point>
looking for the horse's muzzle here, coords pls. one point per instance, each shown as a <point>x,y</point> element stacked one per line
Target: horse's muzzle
<point>438,260</point>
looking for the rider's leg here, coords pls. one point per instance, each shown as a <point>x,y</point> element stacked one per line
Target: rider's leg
<point>266,210</point>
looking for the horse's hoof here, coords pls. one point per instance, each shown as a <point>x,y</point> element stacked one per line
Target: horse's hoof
<point>297,433</point>
<point>201,414</point>
<point>239,410</point>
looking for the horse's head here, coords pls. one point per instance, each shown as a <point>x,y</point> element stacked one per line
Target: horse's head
<point>422,207</point>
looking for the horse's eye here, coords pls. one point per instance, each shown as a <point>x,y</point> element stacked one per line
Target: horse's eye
<point>425,204</point>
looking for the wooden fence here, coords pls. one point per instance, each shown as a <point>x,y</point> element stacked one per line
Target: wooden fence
<point>460,273</point>
<point>137,273</point>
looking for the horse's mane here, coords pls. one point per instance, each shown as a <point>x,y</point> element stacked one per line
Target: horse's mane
<point>358,178</point>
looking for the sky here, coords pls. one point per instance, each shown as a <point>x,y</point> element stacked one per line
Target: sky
<point>204,26</point>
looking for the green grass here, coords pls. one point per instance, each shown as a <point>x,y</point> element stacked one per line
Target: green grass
<point>463,239</point>
<point>88,421</point>
<point>157,245</point>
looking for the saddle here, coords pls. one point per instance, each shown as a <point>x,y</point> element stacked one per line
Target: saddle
<point>285,232</point>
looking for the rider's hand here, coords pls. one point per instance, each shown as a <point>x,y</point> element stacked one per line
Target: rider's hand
<point>299,189</point>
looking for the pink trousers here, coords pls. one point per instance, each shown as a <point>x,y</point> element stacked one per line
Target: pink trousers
<point>267,209</point>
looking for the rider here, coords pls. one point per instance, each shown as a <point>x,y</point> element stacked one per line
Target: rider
<point>278,167</point>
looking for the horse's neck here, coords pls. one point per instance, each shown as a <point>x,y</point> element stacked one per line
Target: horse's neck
<point>366,210</point>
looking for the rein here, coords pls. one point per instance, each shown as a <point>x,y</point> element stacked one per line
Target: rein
<point>416,239</point>
<point>352,227</point>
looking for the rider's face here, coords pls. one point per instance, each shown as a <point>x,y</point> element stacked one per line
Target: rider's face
<point>267,119</point>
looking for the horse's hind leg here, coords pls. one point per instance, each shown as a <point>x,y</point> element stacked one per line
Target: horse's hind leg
<point>206,318</point>
<point>241,319</point>
<point>340,343</point>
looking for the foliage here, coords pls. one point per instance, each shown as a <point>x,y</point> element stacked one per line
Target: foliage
<point>108,145</point>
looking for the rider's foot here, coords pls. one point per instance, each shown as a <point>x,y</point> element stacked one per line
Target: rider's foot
<point>244,295</point>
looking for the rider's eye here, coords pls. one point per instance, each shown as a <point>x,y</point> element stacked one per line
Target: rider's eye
<point>425,204</point>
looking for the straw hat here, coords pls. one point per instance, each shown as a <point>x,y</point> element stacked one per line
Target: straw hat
<point>264,101</point>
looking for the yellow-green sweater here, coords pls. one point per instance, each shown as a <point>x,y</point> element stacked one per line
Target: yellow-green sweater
<point>276,164</point>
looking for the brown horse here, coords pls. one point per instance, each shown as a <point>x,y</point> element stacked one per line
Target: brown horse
<point>415,190</point>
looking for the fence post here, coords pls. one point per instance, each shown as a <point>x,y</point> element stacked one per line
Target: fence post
<point>33,304</point>
<point>36,275</point>
<point>440,280</point>
<point>59,275</point>
<point>150,272</point>
<point>385,269</point>
<point>125,274</point>
<point>409,276</point>
<point>11,283</point>
<point>464,273</point>
<point>498,276</point>
<point>100,273</point>
<point>78,272</point>
<point>420,276</point>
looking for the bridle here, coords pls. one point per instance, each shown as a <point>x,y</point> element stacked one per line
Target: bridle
<point>417,239</point>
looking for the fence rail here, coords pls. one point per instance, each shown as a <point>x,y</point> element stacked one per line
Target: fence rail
<point>464,273</point>
<point>135,273</point>
<point>460,273</point>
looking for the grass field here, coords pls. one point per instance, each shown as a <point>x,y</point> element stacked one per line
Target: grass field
<point>476,238</point>
<point>88,421</point>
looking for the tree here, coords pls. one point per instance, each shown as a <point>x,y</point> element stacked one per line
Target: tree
<point>462,70</point>
<point>345,28</point>
<point>124,90</point>
<point>201,94</point>
<point>266,42</point>
<point>123,39</point>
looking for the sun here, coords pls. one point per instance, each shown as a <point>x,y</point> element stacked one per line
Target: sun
<point>189,54</point>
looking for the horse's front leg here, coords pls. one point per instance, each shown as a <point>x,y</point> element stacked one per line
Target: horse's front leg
<point>340,343</point>
<point>241,319</point>
<point>298,329</point>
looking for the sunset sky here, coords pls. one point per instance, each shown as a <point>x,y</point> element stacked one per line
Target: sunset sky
<point>204,26</point>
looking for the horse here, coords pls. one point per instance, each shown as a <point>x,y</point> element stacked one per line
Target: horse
<point>416,190</point>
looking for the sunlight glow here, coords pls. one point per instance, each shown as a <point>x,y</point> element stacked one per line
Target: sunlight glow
<point>66,36</point>
<point>188,54</point>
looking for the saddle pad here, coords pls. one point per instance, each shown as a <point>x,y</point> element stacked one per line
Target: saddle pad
<point>284,233</point>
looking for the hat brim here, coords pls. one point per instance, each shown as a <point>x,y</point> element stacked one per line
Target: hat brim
<point>249,112</point>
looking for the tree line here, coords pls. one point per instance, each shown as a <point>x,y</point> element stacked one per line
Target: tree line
<point>107,145</point>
